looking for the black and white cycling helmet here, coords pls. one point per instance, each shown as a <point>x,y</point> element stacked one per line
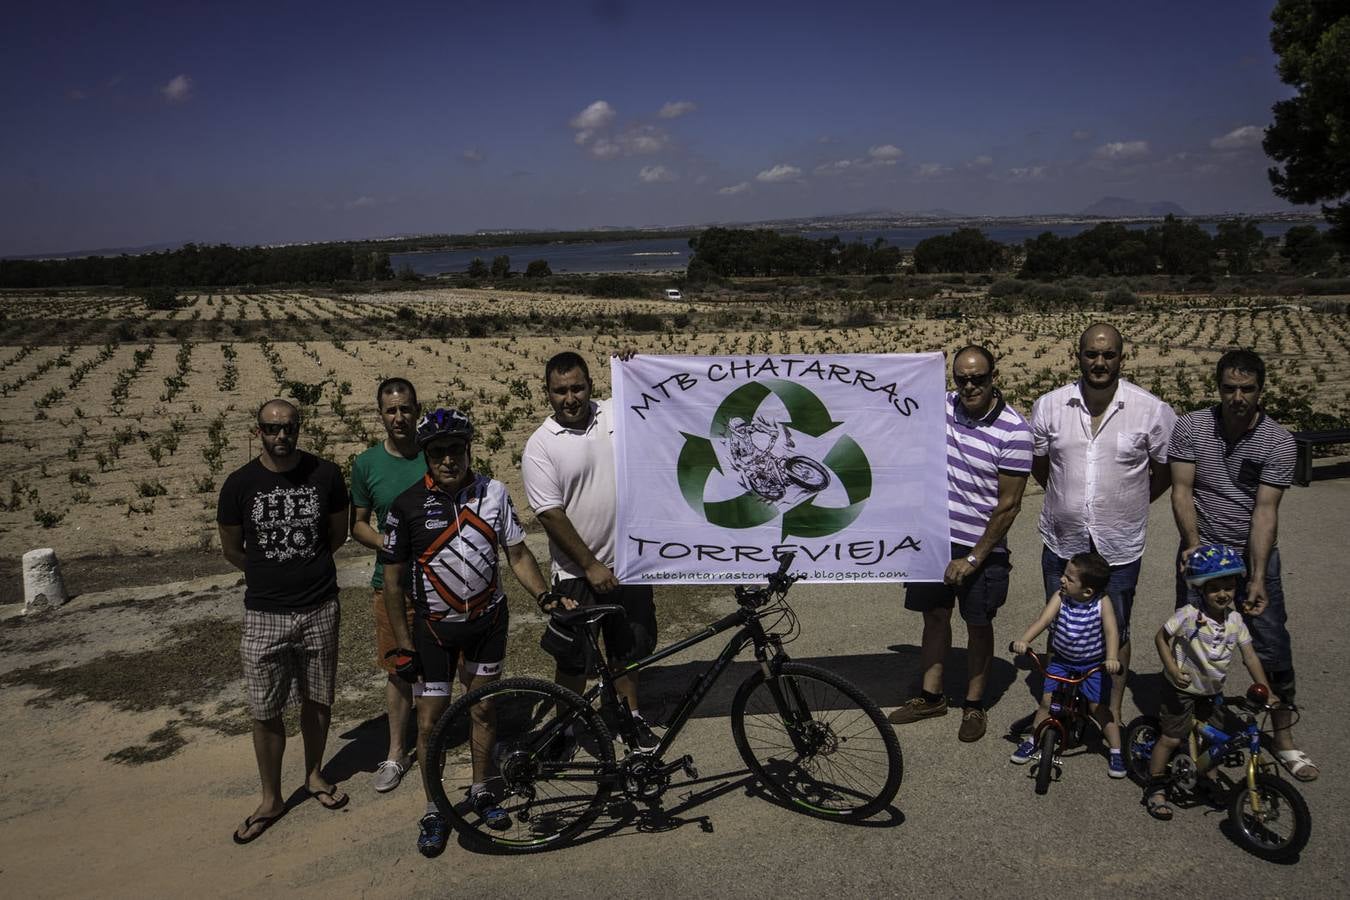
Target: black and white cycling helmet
<point>443,423</point>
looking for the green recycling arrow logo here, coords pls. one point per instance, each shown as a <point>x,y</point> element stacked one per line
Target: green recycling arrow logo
<point>773,479</point>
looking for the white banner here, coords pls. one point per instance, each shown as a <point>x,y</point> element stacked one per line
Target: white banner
<point>724,462</point>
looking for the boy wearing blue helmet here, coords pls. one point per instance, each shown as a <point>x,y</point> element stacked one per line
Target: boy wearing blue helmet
<point>1197,646</point>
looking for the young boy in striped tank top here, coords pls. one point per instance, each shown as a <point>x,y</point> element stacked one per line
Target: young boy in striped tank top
<point>1084,635</point>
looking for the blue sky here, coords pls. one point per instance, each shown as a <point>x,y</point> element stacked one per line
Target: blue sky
<point>138,123</point>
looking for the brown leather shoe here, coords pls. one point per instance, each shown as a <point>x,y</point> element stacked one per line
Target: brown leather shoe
<point>917,708</point>
<point>973,722</point>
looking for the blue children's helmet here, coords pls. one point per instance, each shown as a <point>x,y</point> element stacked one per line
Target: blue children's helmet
<point>443,423</point>
<point>1210,561</point>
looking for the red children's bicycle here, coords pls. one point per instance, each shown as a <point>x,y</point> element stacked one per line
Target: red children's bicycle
<point>1063,728</point>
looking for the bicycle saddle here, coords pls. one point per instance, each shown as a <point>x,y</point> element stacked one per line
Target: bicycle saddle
<point>585,615</point>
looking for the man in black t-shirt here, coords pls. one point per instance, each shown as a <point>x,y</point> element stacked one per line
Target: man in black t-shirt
<point>282,516</point>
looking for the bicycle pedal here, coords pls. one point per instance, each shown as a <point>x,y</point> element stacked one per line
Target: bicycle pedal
<point>690,769</point>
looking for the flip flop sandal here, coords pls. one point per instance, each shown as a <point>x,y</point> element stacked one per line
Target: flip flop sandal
<point>1158,807</point>
<point>1297,764</point>
<point>254,822</point>
<point>331,800</point>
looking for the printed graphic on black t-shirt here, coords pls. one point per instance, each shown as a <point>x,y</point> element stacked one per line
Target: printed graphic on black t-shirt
<point>286,521</point>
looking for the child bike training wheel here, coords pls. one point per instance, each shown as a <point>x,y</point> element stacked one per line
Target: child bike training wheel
<point>1045,766</point>
<point>550,772</point>
<point>817,742</point>
<point>1280,828</point>
<point>1140,739</point>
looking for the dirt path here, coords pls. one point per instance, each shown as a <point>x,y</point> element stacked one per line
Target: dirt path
<point>967,822</point>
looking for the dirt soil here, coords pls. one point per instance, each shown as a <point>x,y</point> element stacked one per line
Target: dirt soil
<point>128,764</point>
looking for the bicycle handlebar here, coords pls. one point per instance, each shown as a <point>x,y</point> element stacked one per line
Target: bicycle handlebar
<point>1040,664</point>
<point>778,583</point>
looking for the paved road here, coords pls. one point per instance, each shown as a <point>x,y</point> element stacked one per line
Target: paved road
<point>967,822</point>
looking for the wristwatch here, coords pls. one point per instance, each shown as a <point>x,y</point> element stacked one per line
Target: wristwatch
<point>974,563</point>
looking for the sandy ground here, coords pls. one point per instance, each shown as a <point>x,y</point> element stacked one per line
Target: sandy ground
<point>966,821</point>
<point>83,472</point>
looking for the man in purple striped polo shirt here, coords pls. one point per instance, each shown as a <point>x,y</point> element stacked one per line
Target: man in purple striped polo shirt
<point>988,461</point>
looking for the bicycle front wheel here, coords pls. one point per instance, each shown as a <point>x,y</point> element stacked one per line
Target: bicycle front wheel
<point>1045,766</point>
<point>544,754</point>
<point>816,741</point>
<point>1273,821</point>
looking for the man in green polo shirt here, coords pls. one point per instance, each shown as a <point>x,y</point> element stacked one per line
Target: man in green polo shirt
<point>378,476</point>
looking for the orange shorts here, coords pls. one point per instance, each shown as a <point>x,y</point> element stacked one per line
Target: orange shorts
<point>384,635</point>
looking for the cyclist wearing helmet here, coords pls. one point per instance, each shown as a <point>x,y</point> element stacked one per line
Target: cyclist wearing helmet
<point>1197,646</point>
<point>447,533</point>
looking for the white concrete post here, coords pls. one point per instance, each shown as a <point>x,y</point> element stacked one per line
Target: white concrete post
<point>43,588</point>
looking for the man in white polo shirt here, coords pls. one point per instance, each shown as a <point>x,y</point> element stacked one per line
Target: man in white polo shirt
<point>568,469</point>
<point>1100,448</point>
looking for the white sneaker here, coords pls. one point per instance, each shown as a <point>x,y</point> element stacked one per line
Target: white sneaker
<point>388,774</point>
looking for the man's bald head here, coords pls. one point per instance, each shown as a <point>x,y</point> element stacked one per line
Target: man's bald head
<point>278,410</point>
<point>1101,330</point>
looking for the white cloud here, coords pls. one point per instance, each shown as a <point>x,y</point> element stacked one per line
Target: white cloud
<point>1081,134</point>
<point>595,131</point>
<point>596,116</point>
<point>780,172</point>
<point>980,162</point>
<point>604,148</point>
<point>472,155</point>
<point>1122,150</point>
<point>932,170</point>
<point>735,188</point>
<point>1027,173</point>
<point>677,108</point>
<point>642,139</point>
<point>838,167</point>
<point>886,154</point>
<point>654,174</point>
<point>360,202</point>
<point>1239,138</point>
<point>178,90</point>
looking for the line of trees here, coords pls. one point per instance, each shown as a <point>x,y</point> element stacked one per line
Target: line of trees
<point>194,264</point>
<point>731,252</point>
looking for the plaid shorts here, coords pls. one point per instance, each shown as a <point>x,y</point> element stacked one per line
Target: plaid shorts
<point>288,656</point>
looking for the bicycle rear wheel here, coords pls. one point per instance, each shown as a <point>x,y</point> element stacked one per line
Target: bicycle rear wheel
<point>817,741</point>
<point>551,764</point>
<point>1140,739</point>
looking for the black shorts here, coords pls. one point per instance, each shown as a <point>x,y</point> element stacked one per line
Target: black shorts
<point>979,598</point>
<point>475,648</point>
<point>1179,710</point>
<point>627,638</point>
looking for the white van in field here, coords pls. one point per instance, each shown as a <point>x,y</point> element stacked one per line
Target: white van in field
<point>673,294</point>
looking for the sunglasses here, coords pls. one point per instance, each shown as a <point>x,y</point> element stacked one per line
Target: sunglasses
<point>437,452</point>
<point>275,428</point>
<point>977,380</point>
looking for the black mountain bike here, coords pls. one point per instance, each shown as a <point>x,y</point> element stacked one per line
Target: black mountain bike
<point>810,736</point>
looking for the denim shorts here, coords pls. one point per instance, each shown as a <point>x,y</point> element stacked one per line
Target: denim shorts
<point>978,599</point>
<point>1270,636</point>
<point>1120,586</point>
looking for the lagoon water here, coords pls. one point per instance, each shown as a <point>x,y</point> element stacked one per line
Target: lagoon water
<point>672,254</point>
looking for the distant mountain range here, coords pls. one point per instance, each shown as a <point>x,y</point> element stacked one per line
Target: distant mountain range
<point>1122,208</point>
